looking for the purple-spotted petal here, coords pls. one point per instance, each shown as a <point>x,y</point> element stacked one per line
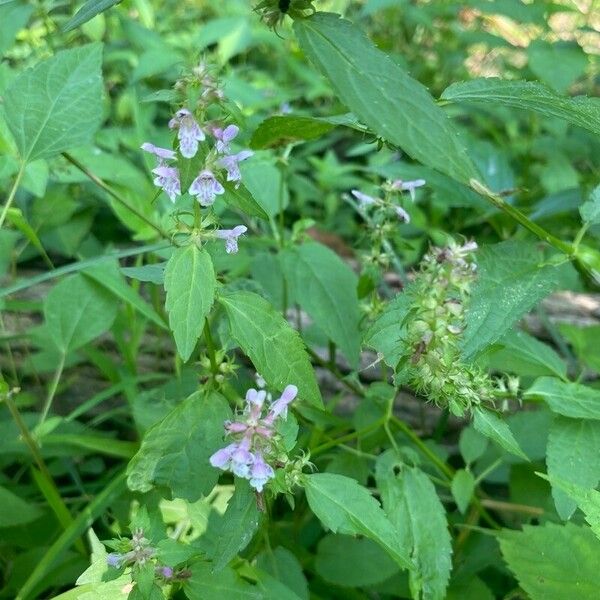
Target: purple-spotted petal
<point>206,188</point>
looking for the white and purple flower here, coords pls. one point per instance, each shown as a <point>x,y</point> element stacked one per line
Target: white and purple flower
<point>167,178</point>
<point>231,163</point>
<point>407,186</point>
<point>223,137</point>
<point>364,199</point>
<point>206,188</point>
<point>231,237</point>
<point>189,134</point>
<point>163,154</point>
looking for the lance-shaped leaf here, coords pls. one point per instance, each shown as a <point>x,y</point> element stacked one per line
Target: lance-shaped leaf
<point>382,95</point>
<point>275,349</point>
<point>190,284</point>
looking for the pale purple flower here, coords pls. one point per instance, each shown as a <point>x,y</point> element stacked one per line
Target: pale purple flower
<point>206,188</point>
<point>242,458</point>
<point>189,133</point>
<point>167,178</point>
<point>279,407</point>
<point>402,214</point>
<point>409,186</point>
<point>166,572</point>
<point>260,472</point>
<point>161,153</point>
<point>231,164</point>
<point>235,427</point>
<point>221,459</point>
<point>231,239</point>
<point>114,559</point>
<point>364,199</point>
<point>224,136</point>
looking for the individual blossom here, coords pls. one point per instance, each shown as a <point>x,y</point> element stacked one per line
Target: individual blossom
<point>231,237</point>
<point>189,133</point>
<point>364,199</point>
<point>167,178</point>
<point>223,137</point>
<point>407,186</point>
<point>206,188</point>
<point>256,442</point>
<point>231,163</point>
<point>402,214</point>
<point>163,154</point>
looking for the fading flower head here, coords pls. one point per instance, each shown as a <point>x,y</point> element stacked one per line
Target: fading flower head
<point>189,133</point>
<point>231,237</point>
<point>206,188</point>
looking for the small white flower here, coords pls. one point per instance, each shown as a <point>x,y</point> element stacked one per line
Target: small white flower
<point>231,237</point>
<point>408,186</point>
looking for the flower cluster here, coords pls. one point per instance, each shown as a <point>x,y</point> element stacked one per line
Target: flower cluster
<point>255,437</point>
<point>273,12</point>
<point>390,188</point>
<point>433,365</point>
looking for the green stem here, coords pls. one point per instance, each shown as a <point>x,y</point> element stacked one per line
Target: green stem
<point>210,347</point>
<point>53,388</point>
<point>49,488</point>
<point>518,216</point>
<point>347,438</point>
<point>100,183</point>
<point>11,195</point>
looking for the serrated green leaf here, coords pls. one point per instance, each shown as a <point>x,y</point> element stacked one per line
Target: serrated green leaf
<point>325,287</point>
<point>175,452</point>
<point>580,110</point>
<point>240,198</point>
<point>352,562</point>
<point>493,427</point>
<point>56,105</point>
<point>77,311</point>
<point>226,584</point>
<point>553,562</point>
<point>346,507</point>
<point>588,500</point>
<point>512,278</point>
<point>88,11</point>
<point>237,526</point>
<point>412,505</point>
<point>285,129</point>
<point>190,284</point>
<point>274,348</point>
<point>463,485</point>
<point>568,399</point>
<point>382,95</point>
<point>573,455</point>
<point>590,209</point>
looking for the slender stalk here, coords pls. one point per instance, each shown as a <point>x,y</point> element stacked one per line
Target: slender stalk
<point>53,387</point>
<point>100,183</point>
<point>210,347</point>
<point>11,195</point>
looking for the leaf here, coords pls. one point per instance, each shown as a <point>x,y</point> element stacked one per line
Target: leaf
<point>281,564</point>
<point>393,105</point>
<point>12,20</point>
<point>588,500</point>
<point>241,199</point>
<point>580,110</point>
<point>512,278</point>
<point>493,427</point>
<point>154,273</point>
<point>88,11</point>
<point>274,348</point>
<point>190,284</point>
<point>273,589</point>
<point>286,129</point>
<point>15,510</point>
<point>524,355</point>
<point>346,507</point>
<point>463,485</point>
<point>77,311</point>
<point>325,287</point>
<point>385,334</point>
<point>57,104</point>
<point>265,183</point>
<point>553,562</point>
<point>572,455</point>
<point>567,399</point>
<point>175,452</point>
<point>16,218</point>
<point>590,209</point>
<point>558,64</point>
<point>108,276</point>
<point>412,505</point>
<point>352,562</point>
<point>472,444</point>
<point>237,526</point>
<point>226,584</point>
